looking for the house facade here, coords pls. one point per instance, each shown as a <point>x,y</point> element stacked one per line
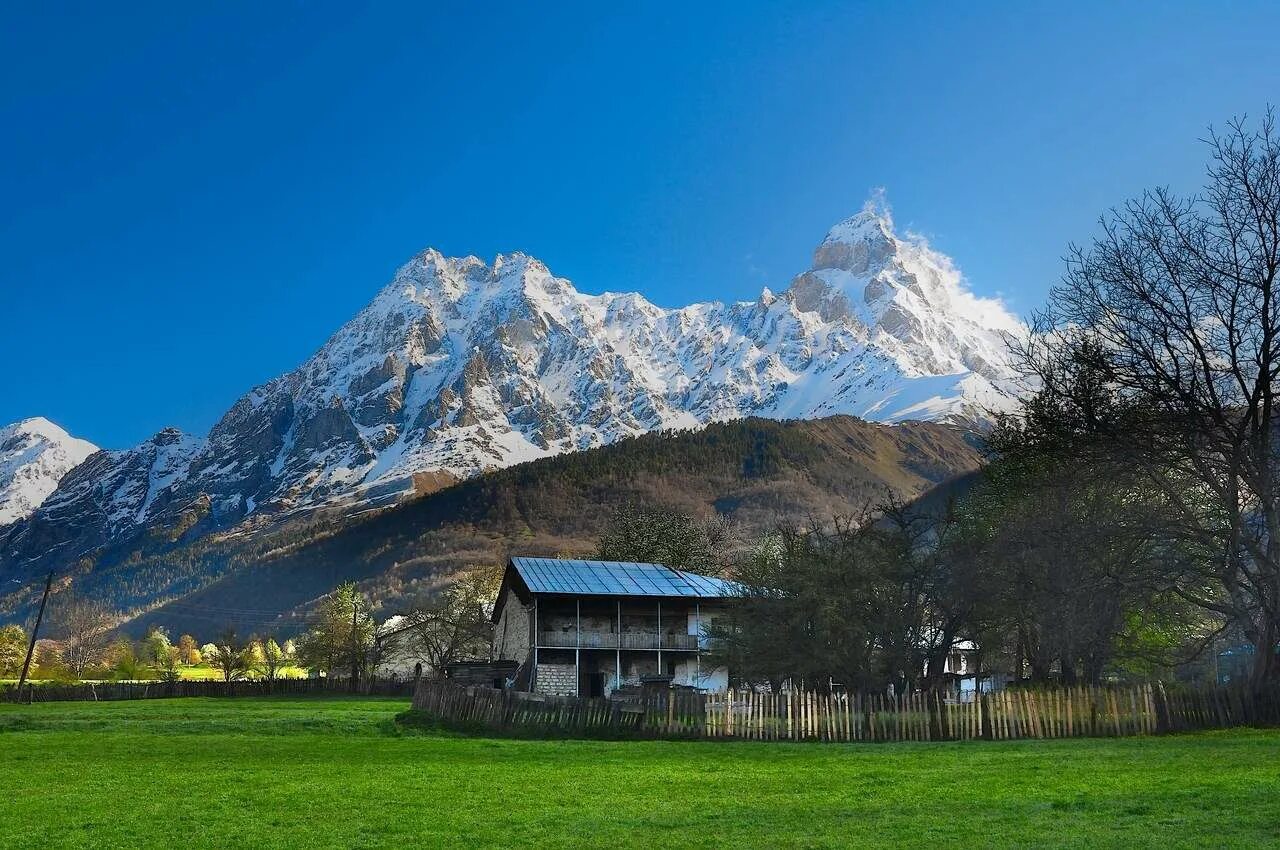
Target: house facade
<point>397,656</point>
<point>588,628</point>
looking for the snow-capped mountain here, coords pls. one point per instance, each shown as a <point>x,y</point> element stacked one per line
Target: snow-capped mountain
<point>458,366</point>
<point>110,497</point>
<point>34,456</point>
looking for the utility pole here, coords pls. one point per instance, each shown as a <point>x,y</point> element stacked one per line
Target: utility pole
<point>31,647</point>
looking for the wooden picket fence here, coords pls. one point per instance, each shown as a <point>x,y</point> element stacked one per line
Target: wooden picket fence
<point>1006,715</point>
<point>103,691</point>
<point>1014,714</point>
<point>662,713</point>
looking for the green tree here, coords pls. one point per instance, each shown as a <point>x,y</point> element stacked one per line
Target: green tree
<point>1073,543</point>
<point>13,649</point>
<point>189,650</point>
<point>123,662</point>
<point>168,664</point>
<point>156,647</point>
<point>863,602</point>
<point>228,657</point>
<point>269,659</point>
<point>48,663</point>
<point>340,634</point>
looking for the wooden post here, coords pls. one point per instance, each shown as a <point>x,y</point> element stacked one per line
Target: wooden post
<point>661,672</point>
<point>1162,709</point>
<point>35,630</point>
<point>697,643</point>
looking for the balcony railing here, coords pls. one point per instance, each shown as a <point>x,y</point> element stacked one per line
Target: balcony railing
<point>612,640</point>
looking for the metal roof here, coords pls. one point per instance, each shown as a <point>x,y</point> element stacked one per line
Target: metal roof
<point>618,578</point>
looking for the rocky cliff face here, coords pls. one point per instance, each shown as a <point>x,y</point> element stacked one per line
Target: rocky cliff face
<point>34,456</point>
<point>458,366</point>
<point>109,497</point>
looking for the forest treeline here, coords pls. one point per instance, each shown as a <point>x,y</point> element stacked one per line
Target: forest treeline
<point>757,471</point>
<point>1130,517</point>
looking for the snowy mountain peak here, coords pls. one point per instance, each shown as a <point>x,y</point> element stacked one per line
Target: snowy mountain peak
<point>34,456</point>
<point>860,241</point>
<point>170,436</point>
<point>38,426</point>
<point>912,300</point>
<point>460,365</point>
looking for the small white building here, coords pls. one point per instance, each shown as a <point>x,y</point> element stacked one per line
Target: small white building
<point>397,656</point>
<point>588,628</point>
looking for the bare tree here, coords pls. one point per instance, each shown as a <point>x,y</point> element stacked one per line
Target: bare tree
<point>1178,299</point>
<point>655,534</point>
<point>84,627</point>
<point>453,625</point>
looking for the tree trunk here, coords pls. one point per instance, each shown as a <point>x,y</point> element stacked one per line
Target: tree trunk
<point>1266,664</point>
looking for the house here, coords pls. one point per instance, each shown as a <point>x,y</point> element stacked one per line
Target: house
<point>398,657</point>
<point>965,677</point>
<point>588,628</point>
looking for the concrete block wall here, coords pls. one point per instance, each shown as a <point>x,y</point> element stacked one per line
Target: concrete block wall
<point>555,680</point>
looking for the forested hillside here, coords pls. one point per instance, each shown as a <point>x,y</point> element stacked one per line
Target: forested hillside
<point>757,472</point>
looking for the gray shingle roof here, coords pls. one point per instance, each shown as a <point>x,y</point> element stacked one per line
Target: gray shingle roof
<point>618,578</point>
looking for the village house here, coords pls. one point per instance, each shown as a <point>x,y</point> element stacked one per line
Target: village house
<point>588,628</point>
<point>398,657</point>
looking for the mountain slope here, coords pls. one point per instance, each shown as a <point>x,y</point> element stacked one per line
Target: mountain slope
<point>113,496</point>
<point>34,456</point>
<point>458,366</point>
<point>758,472</point>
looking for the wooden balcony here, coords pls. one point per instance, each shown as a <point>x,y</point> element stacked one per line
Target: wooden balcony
<point>612,640</point>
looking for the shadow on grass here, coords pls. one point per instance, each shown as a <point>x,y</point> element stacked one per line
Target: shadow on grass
<point>416,721</point>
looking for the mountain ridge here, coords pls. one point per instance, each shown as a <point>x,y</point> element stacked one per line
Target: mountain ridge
<point>756,472</point>
<point>458,366</point>
<point>35,454</point>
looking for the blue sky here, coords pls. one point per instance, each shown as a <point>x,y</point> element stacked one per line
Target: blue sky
<point>195,197</point>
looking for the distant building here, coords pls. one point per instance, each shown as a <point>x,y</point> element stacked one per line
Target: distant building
<point>588,628</point>
<point>399,658</point>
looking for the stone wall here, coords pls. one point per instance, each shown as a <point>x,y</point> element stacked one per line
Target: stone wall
<point>511,632</point>
<point>556,680</point>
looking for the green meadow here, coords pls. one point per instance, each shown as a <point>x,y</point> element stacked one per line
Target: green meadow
<point>339,772</point>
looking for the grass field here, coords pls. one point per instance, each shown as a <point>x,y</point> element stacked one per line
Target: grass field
<point>195,672</point>
<point>336,772</point>
<point>204,671</point>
